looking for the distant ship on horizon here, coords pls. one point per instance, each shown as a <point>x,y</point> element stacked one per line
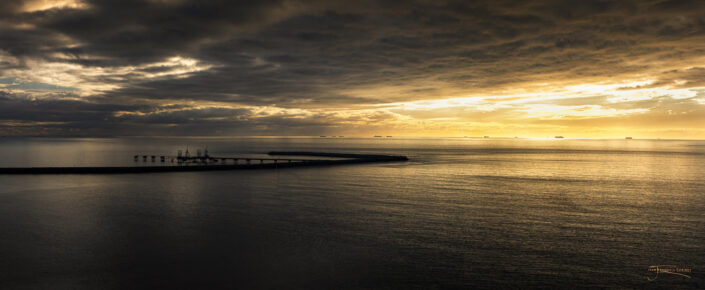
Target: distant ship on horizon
<point>559,137</point>
<point>628,138</point>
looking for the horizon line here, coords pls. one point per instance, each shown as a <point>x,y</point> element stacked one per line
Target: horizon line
<point>354,136</point>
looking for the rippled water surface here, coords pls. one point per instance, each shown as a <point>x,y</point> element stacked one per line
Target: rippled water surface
<point>462,213</point>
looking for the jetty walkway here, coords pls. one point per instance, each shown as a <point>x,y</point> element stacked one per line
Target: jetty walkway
<point>219,163</point>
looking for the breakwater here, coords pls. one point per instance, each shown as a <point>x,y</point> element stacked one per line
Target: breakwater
<point>250,163</point>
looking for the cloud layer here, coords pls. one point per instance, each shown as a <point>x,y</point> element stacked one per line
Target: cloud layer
<point>424,68</point>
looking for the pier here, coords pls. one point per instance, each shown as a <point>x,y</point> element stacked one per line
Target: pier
<point>209,163</point>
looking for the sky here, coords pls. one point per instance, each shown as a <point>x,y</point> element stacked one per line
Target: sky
<point>580,69</point>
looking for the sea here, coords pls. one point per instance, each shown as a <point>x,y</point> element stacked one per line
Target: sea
<point>462,213</point>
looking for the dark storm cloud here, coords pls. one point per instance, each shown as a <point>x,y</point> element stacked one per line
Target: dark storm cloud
<point>130,32</point>
<point>23,115</point>
<point>687,78</point>
<point>312,54</point>
<point>20,115</point>
<point>9,7</point>
<point>13,107</point>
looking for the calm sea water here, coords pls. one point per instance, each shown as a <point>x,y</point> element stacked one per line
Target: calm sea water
<point>462,213</point>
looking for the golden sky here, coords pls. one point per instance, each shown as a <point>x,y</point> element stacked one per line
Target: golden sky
<point>581,69</point>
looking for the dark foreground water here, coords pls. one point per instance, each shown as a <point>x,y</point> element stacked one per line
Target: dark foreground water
<point>463,213</point>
